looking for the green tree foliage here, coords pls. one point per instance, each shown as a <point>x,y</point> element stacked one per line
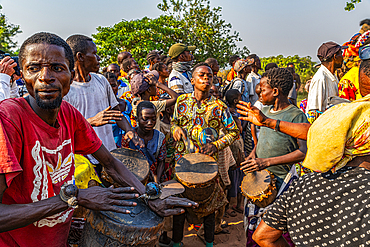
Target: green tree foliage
<point>7,33</point>
<point>351,4</point>
<point>139,37</point>
<point>304,66</point>
<point>192,22</point>
<point>204,28</point>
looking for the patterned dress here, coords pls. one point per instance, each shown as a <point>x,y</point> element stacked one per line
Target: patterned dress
<point>202,125</point>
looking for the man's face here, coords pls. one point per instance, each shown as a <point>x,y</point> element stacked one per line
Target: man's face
<point>338,60</point>
<point>114,85</point>
<point>257,63</point>
<point>202,79</point>
<point>46,74</point>
<point>248,69</point>
<point>91,58</point>
<point>147,119</point>
<point>215,68</point>
<point>267,93</point>
<point>186,56</point>
<point>214,92</point>
<point>133,65</point>
<point>364,82</point>
<point>114,69</point>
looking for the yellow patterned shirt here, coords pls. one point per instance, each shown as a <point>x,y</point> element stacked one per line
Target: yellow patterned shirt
<point>202,125</point>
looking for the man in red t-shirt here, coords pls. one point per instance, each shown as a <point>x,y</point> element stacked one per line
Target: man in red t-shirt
<point>39,136</point>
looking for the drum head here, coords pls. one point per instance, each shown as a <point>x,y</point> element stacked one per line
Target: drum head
<point>255,183</point>
<point>196,169</point>
<point>134,161</point>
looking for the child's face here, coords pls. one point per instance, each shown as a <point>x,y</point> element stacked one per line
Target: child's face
<point>214,92</point>
<point>147,119</point>
<point>268,94</point>
<point>236,101</point>
<point>114,85</point>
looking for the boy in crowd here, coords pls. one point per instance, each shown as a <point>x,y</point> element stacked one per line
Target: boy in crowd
<point>274,151</point>
<point>232,73</point>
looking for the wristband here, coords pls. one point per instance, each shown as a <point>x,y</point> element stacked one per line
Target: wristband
<point>68,194</point>
<point>277,126</point>
<point>152,191</point>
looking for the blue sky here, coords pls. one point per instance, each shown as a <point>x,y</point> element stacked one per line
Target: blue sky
<point>267,27</point>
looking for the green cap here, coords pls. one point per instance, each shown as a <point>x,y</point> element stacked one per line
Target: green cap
<point>179,48</point>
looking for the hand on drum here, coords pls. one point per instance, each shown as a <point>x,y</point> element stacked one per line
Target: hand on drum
<point>179,134</point>
<point>256,164</point>
<point>132,135</point>
<point>171,206</point>
<point>208,149</point>
<point>251,113</point>
<point>104,117</point>
<point>107,199</point>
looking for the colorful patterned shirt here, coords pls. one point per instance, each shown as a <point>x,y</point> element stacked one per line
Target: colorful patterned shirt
<point>202,125</point>
<point>349,85</point>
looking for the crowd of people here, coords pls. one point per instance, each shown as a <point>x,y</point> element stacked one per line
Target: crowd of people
<point>75,113</point>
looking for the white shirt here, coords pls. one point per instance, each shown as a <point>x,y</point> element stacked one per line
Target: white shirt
<point>179,83</point>
<point>92,97</point>
<point>254,79</point>
<point>7,89</point>
<point>323,85</point>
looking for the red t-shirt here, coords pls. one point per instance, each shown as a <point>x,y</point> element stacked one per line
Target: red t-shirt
<point>37,160</point>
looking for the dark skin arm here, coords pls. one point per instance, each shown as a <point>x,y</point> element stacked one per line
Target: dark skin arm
<point>255,116</point>
<point>160,169</point>
<point>122,175</point>
<point>254,134</point>
<point>266,236</point>
<point>173,94</point>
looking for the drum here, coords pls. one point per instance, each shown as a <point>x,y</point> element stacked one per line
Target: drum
<point>197,172</point>
<point>259,187</point>
<point>105,228</point>
<point>134,161</point>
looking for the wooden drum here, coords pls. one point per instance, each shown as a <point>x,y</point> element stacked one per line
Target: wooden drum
<point>134,161</point>
<point>105,228</point>
<point>259,187</point>
<point>197,172</point>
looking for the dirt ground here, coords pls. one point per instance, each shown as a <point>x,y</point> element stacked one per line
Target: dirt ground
<point>236,238</point>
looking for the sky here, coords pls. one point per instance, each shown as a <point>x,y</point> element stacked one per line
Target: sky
<point>267,27</point>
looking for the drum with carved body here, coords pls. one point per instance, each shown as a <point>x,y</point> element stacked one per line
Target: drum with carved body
<point>105,228</point>
<point>259,187</point>
<point>197,172</point>
<point>134,161</point>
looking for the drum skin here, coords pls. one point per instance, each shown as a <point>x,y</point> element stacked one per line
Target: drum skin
<point>259,187</point>
<point>105,228</point>
<point>197,172</point>
<point>134,161</point>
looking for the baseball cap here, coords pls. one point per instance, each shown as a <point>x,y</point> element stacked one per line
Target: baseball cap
<point>328,49</point>
<point>242,63</point>
<point>177,49</point>
<point>139,83</point>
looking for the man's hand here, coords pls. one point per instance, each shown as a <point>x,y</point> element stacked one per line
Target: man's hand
<point>107,199</point>
<point>7,66</point>
<point>171,206</point>
<point>209,148</point>
<point>104,117</point>
<point>179,134</point>
<point>251,113</point>
<point>132,135</point>
<point>253,165</point>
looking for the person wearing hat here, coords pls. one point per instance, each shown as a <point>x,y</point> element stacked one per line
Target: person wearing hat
<point>145,86</point>
<point>179,79</point>
<point>324,83</point>
<point>242,68</point>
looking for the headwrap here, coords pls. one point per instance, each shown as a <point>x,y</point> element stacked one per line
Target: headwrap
<point>182,66</point>
<point>362,39</point>
<point>338,136</point>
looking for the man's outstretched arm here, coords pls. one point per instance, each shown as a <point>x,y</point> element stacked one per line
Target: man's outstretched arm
<point>266,236</point>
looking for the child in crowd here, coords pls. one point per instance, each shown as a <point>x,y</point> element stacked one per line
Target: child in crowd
<point>154,140</point>
<point>124,105</point>
<point>259,105</point>
<point>163,73</point>
<point>233,96</point>
<point>215,92</point>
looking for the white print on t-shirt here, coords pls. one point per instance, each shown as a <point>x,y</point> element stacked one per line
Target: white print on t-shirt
<point>58,174</point>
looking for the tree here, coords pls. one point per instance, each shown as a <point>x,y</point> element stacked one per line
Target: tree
<point>7,33</point>
<point>205,29</point>
<point>139,37</point>
<point>351,5</point>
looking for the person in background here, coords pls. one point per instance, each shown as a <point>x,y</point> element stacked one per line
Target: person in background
<point>124,105</point>
<point>232,74</point>
<point>303,104</point>
<point>212,62</point>
<point>324,83</point>
<point>292,96</point>
<point>254,78</point>
<point>242,68</point>
<point>215,92</point>
<point>152,58</point>
<point>129,64</point>
<point>154,140</point>
<point>123,84</point>
<point>162,70</point>
<point>120,58</point>
<point>296,77</point>
<point>179,79</point>
<point>8,89</point>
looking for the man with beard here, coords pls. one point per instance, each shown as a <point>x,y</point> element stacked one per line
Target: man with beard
<point>93,96</point>
<point>324,83</point>
<point>38,136</point>
<point>179,79</point>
